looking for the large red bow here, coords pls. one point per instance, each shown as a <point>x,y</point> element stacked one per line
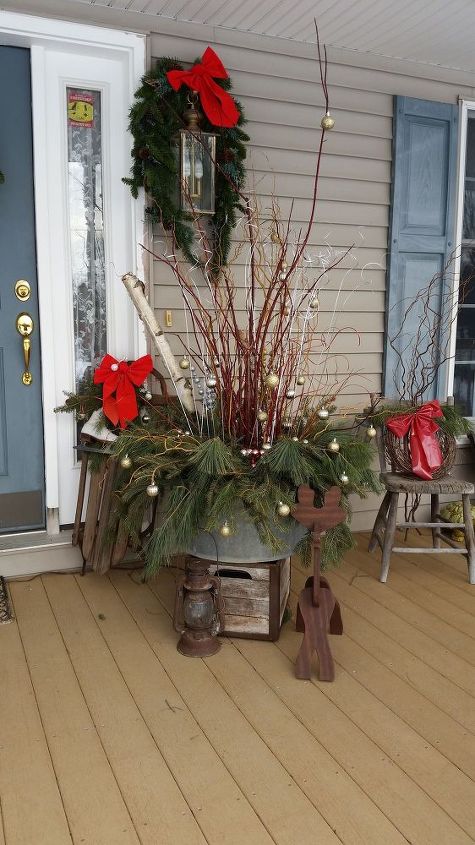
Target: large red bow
<point>426,456</point>
<point>119,378</point>
<point>218,106</point>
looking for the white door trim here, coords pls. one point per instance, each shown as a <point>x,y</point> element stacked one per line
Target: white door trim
<point>44,36</point>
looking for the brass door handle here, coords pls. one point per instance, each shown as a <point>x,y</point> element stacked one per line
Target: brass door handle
<point>24,327</point>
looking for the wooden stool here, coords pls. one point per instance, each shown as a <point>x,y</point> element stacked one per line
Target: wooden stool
<point>386,520</point>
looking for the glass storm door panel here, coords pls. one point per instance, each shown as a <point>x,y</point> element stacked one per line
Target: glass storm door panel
<point>21,419</point>
<point>86,226</point>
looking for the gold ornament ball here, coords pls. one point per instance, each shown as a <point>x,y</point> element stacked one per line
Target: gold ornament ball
<point>283,509</point>
<point>323,413</point>
<point>266,446</point>
<point>262,416</point>
<point>295,439</point>
<point>333,446</point>
<point>152,490</point>
<point>125,462</point>
<point>300,379</point>
<point>314,303</point>
<point>272,380</point>
<point>327,122</point>
<point>344,478</point>
<point>184,363</point>
<point>371,431</point>
<point>225,530</point>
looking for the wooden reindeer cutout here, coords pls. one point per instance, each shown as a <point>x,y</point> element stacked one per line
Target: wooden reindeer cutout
<point>318,611</point>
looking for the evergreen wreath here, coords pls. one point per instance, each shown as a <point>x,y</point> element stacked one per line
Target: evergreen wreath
<point>155,120</point>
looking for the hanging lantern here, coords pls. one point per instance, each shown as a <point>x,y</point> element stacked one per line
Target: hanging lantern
<point>197,164</point>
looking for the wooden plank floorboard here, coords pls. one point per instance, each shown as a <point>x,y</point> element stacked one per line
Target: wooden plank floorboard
<point>287,813</point>
<point>109,736</point>
<point>455,626</point>
<point>446,785</point>
<point>447,737</point>
<point>346,807</point>
<point>2,829</point>
<point>429,572</point>
<point>96,811</point>
<point>153,798</point>
<point>414,615</point>
<point>357,609</point>
<point>219,804</point>
<point>404,803</point>
<point>424,629</point>
<point>27,777</point>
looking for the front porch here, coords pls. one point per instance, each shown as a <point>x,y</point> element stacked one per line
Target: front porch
<point>108,735</point>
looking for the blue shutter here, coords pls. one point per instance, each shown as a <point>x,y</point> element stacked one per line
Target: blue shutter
<point>422,225</point>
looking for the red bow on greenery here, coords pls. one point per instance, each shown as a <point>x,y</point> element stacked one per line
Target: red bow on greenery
<point>218,106</point>
<point>119,378</point>
<point>425,450</point>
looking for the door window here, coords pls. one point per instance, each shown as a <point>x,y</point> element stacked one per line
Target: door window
<point>86,226</point>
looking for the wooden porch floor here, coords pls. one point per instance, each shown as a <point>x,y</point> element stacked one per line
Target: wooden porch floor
<point>109,736</point>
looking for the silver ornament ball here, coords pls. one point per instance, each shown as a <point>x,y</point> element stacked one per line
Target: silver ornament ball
<point>148,396</point>
<point>371,431</point>
<point>225,530</point>
<point>327,122</point>
<point>272,380</point>
<point>152,490</point>
<point>290,394</point>
<point>125,462</point>
<point>266,446</point>
<point>333,446</point>
<point>344,478</point>
<point>314,303</point>
<point>283,509</point>
<point>323,413</point>
<point>211,381</point>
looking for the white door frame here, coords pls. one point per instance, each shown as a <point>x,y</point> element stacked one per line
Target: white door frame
<point>43,37</point>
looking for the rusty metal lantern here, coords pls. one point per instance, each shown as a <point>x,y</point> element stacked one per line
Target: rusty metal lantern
<point>198,614</point>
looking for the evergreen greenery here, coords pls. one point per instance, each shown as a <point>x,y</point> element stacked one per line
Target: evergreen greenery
<point>155,120</point>
<point>204,482</point>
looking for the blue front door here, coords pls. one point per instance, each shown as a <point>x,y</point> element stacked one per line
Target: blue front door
<point>22,500</point>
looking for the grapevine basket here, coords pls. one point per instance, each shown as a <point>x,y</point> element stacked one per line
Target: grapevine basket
<point>398,452</point>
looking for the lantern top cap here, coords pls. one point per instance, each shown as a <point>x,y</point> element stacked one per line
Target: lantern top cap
<point>192,115</point>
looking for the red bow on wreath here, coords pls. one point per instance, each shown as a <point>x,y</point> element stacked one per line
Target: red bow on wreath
<point>426,456</point>
<point>119,378</point>
<point>218,106</point>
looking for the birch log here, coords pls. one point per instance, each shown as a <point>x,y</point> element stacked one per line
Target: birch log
<point>136,290</point>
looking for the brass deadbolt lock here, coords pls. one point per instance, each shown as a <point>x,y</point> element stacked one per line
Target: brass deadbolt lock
<point>22,290</point>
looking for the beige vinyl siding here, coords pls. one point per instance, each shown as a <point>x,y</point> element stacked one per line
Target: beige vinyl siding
<point>277,83</point>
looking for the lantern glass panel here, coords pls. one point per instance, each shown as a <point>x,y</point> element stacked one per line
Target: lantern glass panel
<point>198,154</point>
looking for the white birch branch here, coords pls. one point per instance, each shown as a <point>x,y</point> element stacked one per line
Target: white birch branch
<point>136,290</point>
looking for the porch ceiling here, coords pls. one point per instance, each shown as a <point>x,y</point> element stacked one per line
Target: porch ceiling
<point>429,31</point>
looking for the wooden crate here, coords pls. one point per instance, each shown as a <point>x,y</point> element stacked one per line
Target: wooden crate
<point>255,597</point>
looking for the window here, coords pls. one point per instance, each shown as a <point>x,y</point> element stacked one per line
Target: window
<point>464,367</point>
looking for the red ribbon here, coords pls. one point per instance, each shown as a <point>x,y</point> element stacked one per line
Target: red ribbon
<point>218,106</point>
<point>119,378</point>
<point>426,456</point>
